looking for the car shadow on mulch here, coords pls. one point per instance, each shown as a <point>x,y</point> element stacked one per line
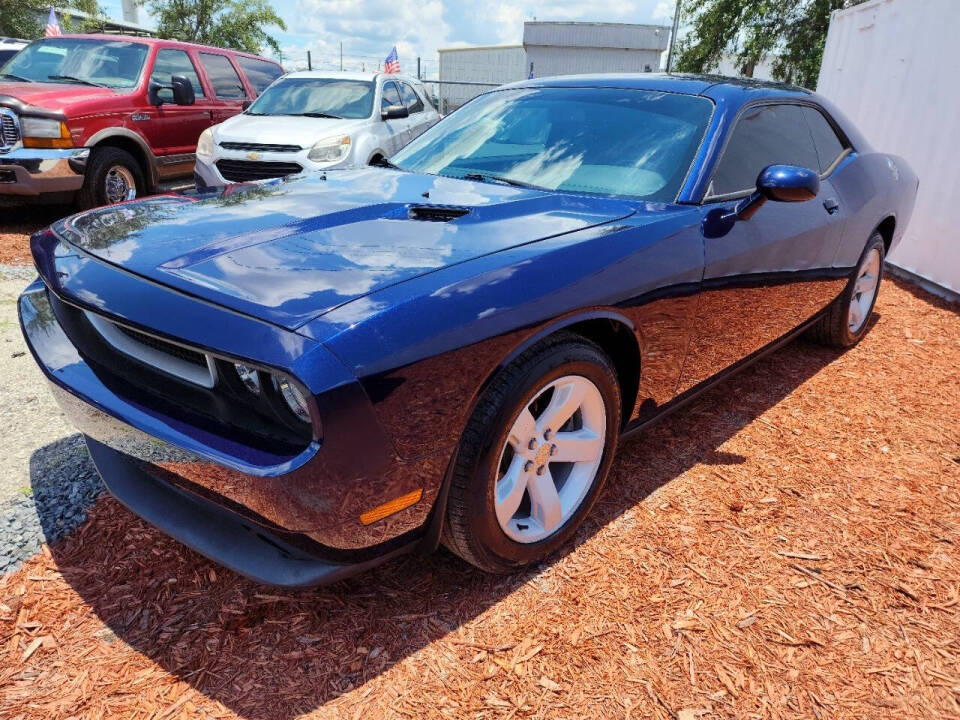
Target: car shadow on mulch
<point>268,653</point>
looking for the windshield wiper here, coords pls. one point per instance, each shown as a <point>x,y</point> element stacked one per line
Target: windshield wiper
<point>321,115</point>
<point>484,177</point>
<point>72,78</point>
<point>17,77</point>
<point>383,162</point>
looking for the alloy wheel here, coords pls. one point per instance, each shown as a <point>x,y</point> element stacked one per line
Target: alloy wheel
<point>864,291</point>
<point>119,184</point>
<point>550,459</point>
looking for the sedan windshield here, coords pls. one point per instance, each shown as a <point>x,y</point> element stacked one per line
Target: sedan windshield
<point>103,63</point>
<point>609,141</point>
<point>316,97</point>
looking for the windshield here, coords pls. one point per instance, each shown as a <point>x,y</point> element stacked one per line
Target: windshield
<point>106,63</point>
<point>323,97</point>
<point>636,143</point>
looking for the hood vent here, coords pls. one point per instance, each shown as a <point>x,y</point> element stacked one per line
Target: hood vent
<point>436,213</point>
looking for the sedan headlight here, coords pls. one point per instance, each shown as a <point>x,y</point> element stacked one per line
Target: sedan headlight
<point>40,132</point>
<point>205,144</point>
<point>330,150</point>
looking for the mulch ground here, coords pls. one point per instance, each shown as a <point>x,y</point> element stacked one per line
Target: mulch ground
<point>786,547</point>
<point>17,223</point>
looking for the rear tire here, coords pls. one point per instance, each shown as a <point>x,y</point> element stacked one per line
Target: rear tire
<point>110,175</point>
<point>513,498</point>
<point>847,319</point>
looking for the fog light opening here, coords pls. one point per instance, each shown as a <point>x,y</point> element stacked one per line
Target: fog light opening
<point>293,398</point>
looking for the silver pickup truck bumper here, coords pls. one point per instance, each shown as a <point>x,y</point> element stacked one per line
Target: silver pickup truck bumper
<point>35,171</point>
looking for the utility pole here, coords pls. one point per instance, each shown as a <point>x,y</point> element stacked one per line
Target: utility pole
<point>673,35</point>
<point>418,67</point>
<point>341,56</point>
<point>309,61</point>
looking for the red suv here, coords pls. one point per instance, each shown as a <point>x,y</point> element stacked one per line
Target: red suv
<point>103,118</point>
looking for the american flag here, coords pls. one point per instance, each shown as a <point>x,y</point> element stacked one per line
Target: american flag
<point>392,63</point>
<point>53,27</point>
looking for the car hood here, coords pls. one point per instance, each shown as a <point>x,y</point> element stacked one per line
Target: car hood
<point>50,96</point>
<point>288,251</point>
<point>282,129</point>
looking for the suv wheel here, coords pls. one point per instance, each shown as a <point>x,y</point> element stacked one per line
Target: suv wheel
<point>113,175</point>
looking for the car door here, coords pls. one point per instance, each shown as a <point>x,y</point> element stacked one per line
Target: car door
<point>228,90</point>
<point>172,129</point>
<point>764,276</point>
<point>417,121</point>
<point>396,128</point>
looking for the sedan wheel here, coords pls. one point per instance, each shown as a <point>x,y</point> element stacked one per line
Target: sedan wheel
<point>864,291</point>
<point>534,455</point>
<point>550,459</point>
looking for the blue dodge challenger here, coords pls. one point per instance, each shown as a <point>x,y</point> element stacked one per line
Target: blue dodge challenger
<point>302,378</point>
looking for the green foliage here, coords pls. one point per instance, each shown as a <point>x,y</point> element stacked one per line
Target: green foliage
<point>27,20</point>
<point>236,24</point>
<point>794,31</point>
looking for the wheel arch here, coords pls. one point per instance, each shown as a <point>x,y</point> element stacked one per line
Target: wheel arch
<point>886,229</point>
<point>614,333</point>
<point>132,143</point>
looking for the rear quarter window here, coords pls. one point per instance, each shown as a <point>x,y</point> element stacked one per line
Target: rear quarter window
<point>260,73</point>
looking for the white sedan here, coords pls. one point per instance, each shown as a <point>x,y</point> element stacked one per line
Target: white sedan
<point>309,121</point>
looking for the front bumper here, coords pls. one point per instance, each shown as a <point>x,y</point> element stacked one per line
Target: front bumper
<point>284,522</point>
<point>34,171</point>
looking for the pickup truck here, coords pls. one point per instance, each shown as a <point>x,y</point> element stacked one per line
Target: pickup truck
<point>99,119</point>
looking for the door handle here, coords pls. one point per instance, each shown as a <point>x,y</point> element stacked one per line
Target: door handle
<point>831,205</point>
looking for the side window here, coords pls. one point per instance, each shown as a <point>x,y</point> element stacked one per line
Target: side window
<point>390,95</point>
<point>172,62</point>
<point>226,83</point>
<point>411,99</point>
<point>828,145</point>
<point>260,73</point>
<point>765,135</point>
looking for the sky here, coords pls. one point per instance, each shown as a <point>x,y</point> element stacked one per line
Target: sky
<point>369,28</point>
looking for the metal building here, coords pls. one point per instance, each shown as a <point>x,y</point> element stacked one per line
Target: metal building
<point>549,48</point>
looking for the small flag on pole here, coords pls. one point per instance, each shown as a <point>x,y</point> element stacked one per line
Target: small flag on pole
<point>392,63</point>
<point>53,27</point>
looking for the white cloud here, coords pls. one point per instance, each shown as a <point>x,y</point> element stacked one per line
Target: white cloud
<point>665,10</point>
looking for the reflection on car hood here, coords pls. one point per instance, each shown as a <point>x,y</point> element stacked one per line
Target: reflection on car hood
<point>283,129</point>
<point>287,251</point>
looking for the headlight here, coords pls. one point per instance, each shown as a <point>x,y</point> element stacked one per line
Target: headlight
<point>293,397</point>
<point>205,144</point>
<point>40,132</point>
<point>330,150</point>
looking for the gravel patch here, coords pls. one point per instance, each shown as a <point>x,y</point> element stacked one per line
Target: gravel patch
<point>46,478</point>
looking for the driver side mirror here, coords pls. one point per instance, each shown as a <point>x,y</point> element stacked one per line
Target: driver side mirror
<point>394,112</point>
<point>788,183</point>
<point>180,91</point>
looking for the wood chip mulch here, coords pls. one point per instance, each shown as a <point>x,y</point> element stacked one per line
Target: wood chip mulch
<point>18,222</point>
<point>786,547</point>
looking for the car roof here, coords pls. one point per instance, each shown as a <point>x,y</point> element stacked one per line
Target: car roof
<point>708,85</point>
<point>348,75</point>
<point>159,41</point>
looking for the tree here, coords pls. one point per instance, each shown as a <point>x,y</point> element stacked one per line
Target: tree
<point>236,24</point>
<point>793,31</point>
<point>26,20</point>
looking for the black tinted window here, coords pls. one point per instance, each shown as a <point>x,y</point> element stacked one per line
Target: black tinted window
<point>825,138</point>
<point>260,73</point>
<point>390,95</point>
<point>411,99</point>
<point>170,63</point>
<point>226,83</point>
<point>6,55</point>
<point>765,135</point>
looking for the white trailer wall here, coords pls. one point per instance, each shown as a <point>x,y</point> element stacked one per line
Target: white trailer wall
<point>893,66</point>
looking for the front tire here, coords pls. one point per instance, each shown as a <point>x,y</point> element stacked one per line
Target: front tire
<point>846,319</point>
<point>111,175</point>
<point>534,456</point>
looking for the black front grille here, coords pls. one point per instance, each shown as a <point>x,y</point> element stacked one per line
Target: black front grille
<point>9,135</point>
<point>259,147</point>
<point>177,351</point>
<point>241,170</point>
